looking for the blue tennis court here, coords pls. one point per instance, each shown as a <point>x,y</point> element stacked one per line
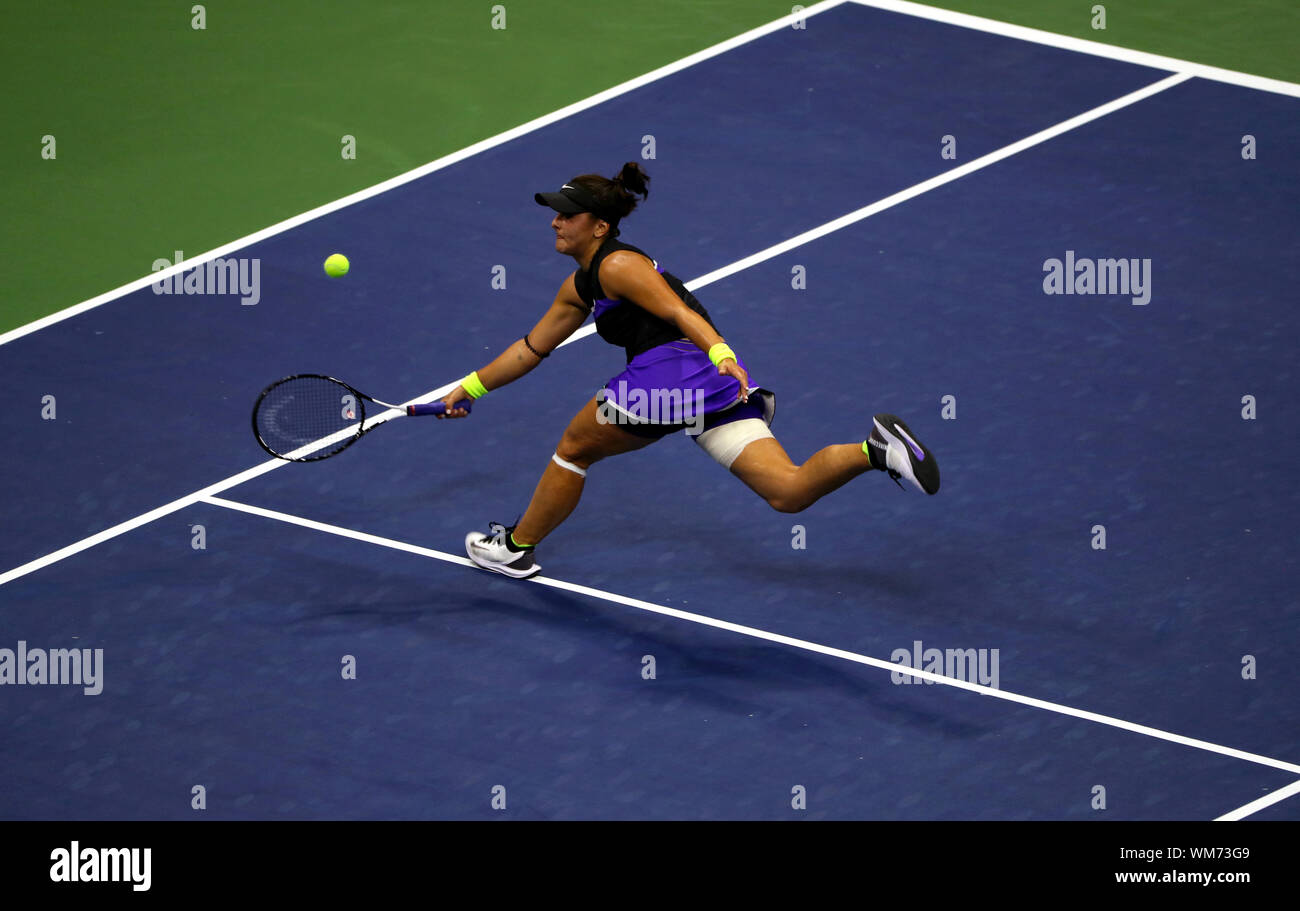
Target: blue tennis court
<point>1159,668</point>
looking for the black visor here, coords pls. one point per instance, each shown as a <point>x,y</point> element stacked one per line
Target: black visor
<point>571,199</point>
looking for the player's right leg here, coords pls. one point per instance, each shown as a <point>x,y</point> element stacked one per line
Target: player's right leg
<point>587,440</point>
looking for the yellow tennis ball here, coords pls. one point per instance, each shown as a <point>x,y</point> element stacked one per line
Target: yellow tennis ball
<point>336,266</point>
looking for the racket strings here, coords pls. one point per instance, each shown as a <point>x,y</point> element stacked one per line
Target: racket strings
<point>309,411</point>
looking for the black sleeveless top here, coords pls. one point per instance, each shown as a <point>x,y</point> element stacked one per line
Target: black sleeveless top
<point>623,323</point>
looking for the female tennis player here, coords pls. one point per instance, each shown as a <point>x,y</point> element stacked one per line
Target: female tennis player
<point>680,375</point>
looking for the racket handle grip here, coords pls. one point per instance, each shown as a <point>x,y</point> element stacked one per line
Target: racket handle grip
<point>437,407</point>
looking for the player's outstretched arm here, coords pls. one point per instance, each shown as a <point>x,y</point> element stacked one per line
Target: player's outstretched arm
<point>567,312</point>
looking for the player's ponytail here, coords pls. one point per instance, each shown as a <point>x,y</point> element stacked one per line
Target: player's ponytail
<point>633,182</point>
<point>617,197</point>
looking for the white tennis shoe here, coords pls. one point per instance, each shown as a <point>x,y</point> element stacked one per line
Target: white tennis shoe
<point>489,551</point>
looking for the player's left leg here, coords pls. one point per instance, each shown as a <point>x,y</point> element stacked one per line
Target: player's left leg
<point>751,453</point>
<point>766,468</point>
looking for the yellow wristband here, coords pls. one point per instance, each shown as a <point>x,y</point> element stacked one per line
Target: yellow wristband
<point>720,352</point>
<point>474,386</point>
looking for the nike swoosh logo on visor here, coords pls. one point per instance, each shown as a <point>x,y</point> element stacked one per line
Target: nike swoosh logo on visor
<point>916,450</point>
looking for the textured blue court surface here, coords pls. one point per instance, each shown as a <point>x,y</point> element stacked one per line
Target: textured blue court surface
<point>222,665</point>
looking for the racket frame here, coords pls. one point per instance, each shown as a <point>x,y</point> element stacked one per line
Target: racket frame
<point>360,431</point>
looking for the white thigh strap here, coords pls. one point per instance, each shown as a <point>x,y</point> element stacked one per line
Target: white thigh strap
<point>725,443</point>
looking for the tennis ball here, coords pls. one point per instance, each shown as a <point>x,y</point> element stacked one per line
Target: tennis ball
<point>336,265</point>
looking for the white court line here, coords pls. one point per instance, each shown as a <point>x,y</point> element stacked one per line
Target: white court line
<point>776,250</point>
<point>912,9</point>
<point>190,499</point>
<point>924,186</point>
<point>765,635</point>
<point>1267,800</point>
<point>939,180</point>
<point>1083,46</point>
<point>423,170</point>
<point>1185,69</point>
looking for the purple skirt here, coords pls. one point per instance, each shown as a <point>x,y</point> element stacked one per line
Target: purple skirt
<point>675,386</point>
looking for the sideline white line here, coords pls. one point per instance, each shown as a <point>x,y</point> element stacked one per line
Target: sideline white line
<point>775,250</point>
<point>423,170</point>
<point>924,186</point>
<point>946,177</point>
<point>190,499</point>
<point>1267,800</point>
<point>1084,46</point>
<point>963,20</point>
<point>765,635</point>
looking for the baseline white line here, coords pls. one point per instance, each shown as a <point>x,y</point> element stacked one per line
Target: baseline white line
<point>1267,800</point>
<point>1084,46</point>
<point>336,530</point>
<point>767,636</point>
<point>423,170</point>
<point>739,265</point>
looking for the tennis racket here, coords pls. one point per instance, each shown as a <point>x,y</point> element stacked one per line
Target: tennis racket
<point>308,416</point>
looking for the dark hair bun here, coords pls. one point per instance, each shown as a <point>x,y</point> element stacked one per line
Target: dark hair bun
<point>633,179</point>
<point>616,198</point>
